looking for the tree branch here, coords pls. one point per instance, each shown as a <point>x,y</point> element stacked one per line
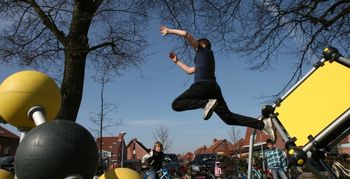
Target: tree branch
<point>46,20</point>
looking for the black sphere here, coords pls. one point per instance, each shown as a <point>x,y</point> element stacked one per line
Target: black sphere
<point>56,149</point>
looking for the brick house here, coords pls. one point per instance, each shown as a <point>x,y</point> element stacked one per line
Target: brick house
<point>113,150</point>
<point>135,150</point>
<point>8,142</point>
<point>260,139</point>
<point>240,148</point>
<point>189,156</point>
<point>222,147</point>
<point>237,147</point>
<point>201,150</point>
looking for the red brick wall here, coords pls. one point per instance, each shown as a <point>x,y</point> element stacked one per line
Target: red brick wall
<point>135,151</point>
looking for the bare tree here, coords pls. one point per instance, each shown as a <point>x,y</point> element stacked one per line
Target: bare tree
<point>263,30</point>
<point>233,134</point>
<point>161,134</point>
<point>62,36</point>
<point>101,118</point>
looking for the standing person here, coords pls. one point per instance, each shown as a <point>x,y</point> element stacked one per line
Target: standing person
<point>217,170</point>
<point>276,160</point>
<point>205,92</point>
<point>154,159</point>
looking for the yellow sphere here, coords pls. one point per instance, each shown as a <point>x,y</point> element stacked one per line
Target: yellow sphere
<point>300,162</point>
<point>4,174</point>
<point>291,151</point>
<point>121,173</point>
<point>21,91</point>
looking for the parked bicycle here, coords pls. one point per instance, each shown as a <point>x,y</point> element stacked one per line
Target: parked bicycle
<point>162,173</point>
<point>204,171</point>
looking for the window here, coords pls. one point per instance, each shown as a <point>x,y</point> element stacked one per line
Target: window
<point>7,150</point>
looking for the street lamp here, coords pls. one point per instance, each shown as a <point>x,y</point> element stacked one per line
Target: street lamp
<point>122,134</point>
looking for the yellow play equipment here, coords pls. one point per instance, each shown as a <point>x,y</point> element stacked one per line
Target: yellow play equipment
<point>317,102</point>
<point>24,90</point>
<point>314,115</point>
<point>121,173</point>
<point>4,174</point>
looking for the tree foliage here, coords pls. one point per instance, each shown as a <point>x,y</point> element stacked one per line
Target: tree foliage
<point>265,30</point>
<point>64,36</point>
<point>162,135</point>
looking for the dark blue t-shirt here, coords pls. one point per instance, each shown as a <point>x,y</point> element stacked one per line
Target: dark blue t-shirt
<point>205,65</point>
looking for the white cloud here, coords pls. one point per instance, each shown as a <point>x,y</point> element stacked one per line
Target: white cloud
<point>153,122</point>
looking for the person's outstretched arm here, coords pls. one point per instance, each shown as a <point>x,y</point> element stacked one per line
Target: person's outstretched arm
<point>189,70</point>
<point>147,156</point>
<point>164,31</point>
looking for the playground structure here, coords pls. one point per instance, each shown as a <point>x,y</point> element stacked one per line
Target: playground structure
<point>30,101</point>
<point>314,115</point>
<point>49,148</point>
<point>311,118</point>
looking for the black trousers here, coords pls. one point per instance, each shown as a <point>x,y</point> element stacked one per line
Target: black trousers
<point>197,97</point>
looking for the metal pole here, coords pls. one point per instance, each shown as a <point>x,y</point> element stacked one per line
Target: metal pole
<point>36,113</point>
<point>122,134</point>
<point>121,162</point>
<point>250,159</point>
<point>342,120</point>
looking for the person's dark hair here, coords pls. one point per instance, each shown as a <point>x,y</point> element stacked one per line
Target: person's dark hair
<point>270,141</point>
<point>205,43</point>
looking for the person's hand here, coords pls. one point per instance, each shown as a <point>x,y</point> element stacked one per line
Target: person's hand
<point>173,57</point>
<point>163,30</point>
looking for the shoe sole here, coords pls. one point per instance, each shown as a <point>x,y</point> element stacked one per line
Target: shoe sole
<point>210,112</point>
<point>272,135</point>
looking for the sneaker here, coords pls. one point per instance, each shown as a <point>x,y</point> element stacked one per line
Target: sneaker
<point>209,108</point>
<point>268,128</point>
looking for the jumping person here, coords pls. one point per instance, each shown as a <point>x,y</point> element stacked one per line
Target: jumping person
<point>205,92</point>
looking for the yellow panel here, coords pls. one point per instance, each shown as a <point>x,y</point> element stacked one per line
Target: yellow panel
<point>316,103</point>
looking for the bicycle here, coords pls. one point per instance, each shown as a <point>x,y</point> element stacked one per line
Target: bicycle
<point>242,174</point>
<point>205,172</point>
<point>256,174</point>
<point>162,173</point>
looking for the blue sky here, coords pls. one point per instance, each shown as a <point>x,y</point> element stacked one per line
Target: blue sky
<point>144,96</point>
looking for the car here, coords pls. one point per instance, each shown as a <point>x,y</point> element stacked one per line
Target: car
<point>172,164</point>
<point>7,163</point>
<point>203,162</point>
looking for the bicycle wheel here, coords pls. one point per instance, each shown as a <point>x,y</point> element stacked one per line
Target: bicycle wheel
<point>256,176</point>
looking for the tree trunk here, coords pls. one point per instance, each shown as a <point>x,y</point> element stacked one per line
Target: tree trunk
<point>73,78</point>
<point>76,49</point>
